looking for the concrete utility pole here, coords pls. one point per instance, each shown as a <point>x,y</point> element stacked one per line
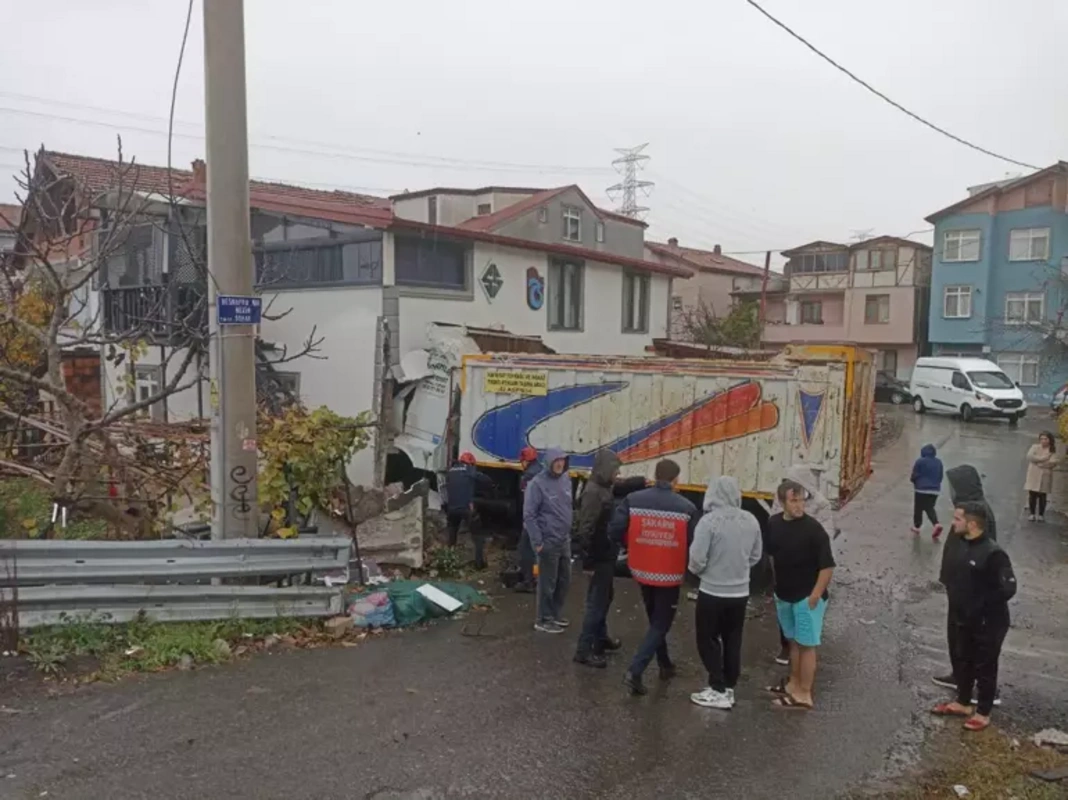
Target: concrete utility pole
<point>230,273</point>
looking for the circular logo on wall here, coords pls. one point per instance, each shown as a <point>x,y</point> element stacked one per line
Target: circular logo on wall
<point>535,289</point>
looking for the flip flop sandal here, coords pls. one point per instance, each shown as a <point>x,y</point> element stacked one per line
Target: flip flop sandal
<point>778,688</point>
<point>948,710</point>
<point>790,703</point>
<point>975,725</point>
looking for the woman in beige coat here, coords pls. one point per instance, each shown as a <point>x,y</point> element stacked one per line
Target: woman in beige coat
<point>1040,461</point>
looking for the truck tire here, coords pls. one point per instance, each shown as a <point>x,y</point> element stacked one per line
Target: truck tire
<point>917,405</point>
<point>966,413</point>
<point>897,398</point>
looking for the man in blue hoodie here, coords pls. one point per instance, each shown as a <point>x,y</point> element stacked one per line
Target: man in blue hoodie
<point>528,459</point>
<point>927,481</point>
<point>547,515</point>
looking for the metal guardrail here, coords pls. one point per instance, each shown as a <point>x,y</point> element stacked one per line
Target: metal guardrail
<point>61,561</point>
<point>53,605</point>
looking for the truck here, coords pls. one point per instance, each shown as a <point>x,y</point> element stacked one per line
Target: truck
<point>811,404</point>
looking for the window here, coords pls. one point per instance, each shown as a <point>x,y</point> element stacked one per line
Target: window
<point>319,262</point>
<point>483,209</point>
<point>876,308</point>
<point>990,380</point>
<point>960,382</point>
<point>884,259</point>
<point>565,296</point>
<point>1029,244</point>
<point>599,230</point>
<point>572,224</point>
<point>635,303</point>
<point>676,303</point>
<point>957,302</point>
<point>430,262</point>
<point>147,383</point>
<point>543,215</point>
<point>1021,369</point>
<point>1024,307</point>
<point>283,386</point>
<point>811,312</point>
<point>134,255</point>
<point>961,246</point>
<point>889,359</point>
<point>432,209</point>
<point>820,262</point>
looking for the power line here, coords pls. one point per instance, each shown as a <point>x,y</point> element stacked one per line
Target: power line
<point>882,96</point>
<point>340,151</point>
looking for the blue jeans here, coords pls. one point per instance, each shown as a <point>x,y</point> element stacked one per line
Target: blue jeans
<point>599,596</point>
<point>554,579</point>
<point>661,603</point>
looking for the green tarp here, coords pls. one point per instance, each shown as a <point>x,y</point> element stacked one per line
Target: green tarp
<point>411,608</point>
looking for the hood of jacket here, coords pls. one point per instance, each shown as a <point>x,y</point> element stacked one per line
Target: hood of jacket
<point>965,486</point>
<point>928,451</point>
<point>723,492</point>
<point>551,455</point>
<point>806,476</point>
<point>605,465</point>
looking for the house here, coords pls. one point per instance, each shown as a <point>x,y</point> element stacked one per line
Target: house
<point>9,223</point>
<point>712,284</point>
<point>368,277</point>
<point>873,293</point>
<point>999,283</point>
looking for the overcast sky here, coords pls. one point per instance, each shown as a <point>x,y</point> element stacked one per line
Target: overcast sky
<point>755,143</point>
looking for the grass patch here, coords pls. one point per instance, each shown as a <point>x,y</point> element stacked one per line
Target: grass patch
<point>989,765</point>
<point>26,511</point>
<point>146,646</point>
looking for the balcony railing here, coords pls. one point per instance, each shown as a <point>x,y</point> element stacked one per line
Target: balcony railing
<point>163,313</point>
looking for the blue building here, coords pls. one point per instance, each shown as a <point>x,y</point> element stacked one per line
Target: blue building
<point>999,282</point>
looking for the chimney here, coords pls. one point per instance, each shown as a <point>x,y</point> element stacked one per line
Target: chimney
<point>717,250</point>
<point>200,172</point>
<point>673,242</point>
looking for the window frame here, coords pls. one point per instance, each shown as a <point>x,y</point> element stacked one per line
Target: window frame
<point>1026,298</point>
<point>556,318</point>
<point>1018,361</point>
<point>263,252</point>
<point>958,291</point>
<point>479,209</point>
<point>641,283</point>
<point>572,214</point>
<point>1030,232</point>
<point>155,373</point>
<point>961,235</point>
<point>868,298</point>
<point>466,288</point>
<point>818,305</point>
<point>599,231</point>
<point>543,214</point>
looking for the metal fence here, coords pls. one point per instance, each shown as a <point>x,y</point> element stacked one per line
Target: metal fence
<point>52,580</point>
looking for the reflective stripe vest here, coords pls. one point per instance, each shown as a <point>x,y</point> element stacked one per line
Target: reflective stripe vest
<point>656,546</point>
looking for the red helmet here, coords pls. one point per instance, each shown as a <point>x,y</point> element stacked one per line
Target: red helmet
<point>467,458</point>
<point>528,453</point>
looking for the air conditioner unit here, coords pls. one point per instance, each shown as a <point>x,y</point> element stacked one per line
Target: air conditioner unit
<point>986,349</point>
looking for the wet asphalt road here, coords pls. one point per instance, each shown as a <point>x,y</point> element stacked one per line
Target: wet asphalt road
<point>433,713</point>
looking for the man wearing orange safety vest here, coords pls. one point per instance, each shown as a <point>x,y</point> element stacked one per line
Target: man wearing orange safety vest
<point>658,525</point>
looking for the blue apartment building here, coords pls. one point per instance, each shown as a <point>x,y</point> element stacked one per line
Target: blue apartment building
<point>999,282</point>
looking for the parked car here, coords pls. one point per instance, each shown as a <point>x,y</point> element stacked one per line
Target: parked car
<point>1060,399</point>
<point>968,387</point>
<point>889,389</point>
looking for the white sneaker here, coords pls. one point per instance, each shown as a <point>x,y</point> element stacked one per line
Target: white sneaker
<point>730,697</point>
<point>1030,517</point>
<point>710,698</point>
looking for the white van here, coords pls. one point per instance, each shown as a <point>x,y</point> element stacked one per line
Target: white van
<point>970,387</point>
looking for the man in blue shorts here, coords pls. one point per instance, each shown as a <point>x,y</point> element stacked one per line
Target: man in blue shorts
<point>801,560</point>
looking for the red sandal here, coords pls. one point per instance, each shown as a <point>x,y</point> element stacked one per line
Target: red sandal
<point>975,724</point>
<point>950,710</point>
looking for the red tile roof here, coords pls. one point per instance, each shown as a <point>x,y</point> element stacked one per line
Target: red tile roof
<point>471,192</point>
<point>98,175</point>
<point>9,217</point>
<point>705,260</point>
<point>998,187</point>
<point>490,221</point>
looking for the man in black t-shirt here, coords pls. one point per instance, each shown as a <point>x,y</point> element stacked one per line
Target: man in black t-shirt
<point>801,559</point>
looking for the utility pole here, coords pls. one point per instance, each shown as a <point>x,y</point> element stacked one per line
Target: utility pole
<point>232,354</point>
<point>631,158</point>
<point>764,296</point>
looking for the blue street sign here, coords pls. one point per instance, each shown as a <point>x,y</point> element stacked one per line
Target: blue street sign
<point>237,310</point>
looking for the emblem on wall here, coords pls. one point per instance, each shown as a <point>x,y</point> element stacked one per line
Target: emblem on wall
<point>491,281</point>
<point>535,289</point>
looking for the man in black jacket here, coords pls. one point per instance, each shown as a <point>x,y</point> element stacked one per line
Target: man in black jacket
<point>965,486</point>
<point>600,554</point>
<point>980,582</point>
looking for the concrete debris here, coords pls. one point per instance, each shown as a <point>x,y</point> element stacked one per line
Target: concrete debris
<point>337,627</point>
<point>272,641</point>
<point>185,662</point>
<point>961,790</point>
<point>1051,737</point>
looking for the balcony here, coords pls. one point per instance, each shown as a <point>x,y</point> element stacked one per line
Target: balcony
<point>753,284</point>
<point>164,314</point>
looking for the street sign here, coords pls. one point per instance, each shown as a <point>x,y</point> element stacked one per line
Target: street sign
<point>237,310</point>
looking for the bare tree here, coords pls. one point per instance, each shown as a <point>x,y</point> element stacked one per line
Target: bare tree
<point>740,327</point>
<point>102,459</point>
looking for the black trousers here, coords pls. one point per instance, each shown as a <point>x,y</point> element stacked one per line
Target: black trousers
<point>975,659</point>
<point>1037,500</point>
<point>719,622</point>
<point>599,595</point>
<point>661,603</point>
<point>454,519</point>
<point>921,504</point>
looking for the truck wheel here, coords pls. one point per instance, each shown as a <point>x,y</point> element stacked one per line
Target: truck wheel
<point>917,404</point>
<point>897,398</point>
<point>966,413</point>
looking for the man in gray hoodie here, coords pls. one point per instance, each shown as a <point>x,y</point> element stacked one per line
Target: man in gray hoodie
<point>547,515</point>
<point>726,546</point>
